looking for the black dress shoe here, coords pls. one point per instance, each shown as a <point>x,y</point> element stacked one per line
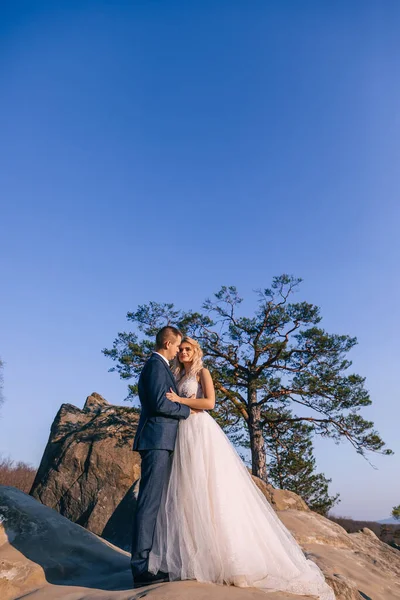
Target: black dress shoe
<point>150,578</point>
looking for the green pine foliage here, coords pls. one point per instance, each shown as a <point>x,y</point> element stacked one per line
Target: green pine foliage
<point>292,464</point>
<point>396,512</point>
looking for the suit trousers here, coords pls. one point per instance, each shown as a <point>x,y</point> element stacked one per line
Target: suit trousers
<point>155,471</point>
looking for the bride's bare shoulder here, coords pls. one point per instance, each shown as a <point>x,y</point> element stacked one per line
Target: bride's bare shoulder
<point>204,373</point>
<point>201,372</point>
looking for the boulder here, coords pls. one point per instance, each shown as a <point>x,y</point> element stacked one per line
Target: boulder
<point>88,472</point>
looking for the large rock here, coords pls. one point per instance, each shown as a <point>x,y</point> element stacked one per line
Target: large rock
<point>88,471</point>
<point>48,557</point>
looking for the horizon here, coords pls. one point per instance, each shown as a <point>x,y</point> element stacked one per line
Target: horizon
<point>157,152</point>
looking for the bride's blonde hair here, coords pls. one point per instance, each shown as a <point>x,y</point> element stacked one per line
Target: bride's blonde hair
<point>197,363</point>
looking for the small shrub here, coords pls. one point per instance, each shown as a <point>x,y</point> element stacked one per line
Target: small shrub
<point>16,474</point>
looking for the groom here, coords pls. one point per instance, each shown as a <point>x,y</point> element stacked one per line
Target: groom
<point>155,441</point>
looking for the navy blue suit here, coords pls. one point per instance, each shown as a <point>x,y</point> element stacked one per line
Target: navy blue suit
<point>155,441</point>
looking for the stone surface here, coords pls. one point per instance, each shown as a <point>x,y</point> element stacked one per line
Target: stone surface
<point>352,563</point>
<point>48,557</point>
<point>280,499</point>
<point>88,472</point>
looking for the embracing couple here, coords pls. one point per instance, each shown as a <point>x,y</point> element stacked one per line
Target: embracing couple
<point>199,515</point>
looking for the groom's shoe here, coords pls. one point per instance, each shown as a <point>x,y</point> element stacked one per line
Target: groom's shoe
<point>147,578</point>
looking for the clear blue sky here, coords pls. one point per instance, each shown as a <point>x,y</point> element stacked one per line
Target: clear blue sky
<point>157,150</point>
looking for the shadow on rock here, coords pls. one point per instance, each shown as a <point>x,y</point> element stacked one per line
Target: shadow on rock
<point>118,529</point>
<point>57,550</point>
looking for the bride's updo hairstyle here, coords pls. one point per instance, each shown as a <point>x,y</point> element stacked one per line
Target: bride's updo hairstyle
<point>197,363</point>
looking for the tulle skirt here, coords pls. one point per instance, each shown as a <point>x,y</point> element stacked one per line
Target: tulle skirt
<point>214,525</point>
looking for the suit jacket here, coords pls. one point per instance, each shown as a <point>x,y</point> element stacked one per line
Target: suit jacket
<point>159,417</point>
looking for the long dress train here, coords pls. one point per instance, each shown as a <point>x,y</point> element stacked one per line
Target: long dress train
<point>214,524</point>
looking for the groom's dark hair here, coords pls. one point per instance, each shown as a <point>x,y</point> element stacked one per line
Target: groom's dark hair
<point>166,333</point>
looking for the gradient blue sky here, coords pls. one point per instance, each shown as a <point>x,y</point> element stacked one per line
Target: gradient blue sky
<point>157,150</point>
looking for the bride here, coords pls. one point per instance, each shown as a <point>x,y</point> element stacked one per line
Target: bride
<point>214,525</point>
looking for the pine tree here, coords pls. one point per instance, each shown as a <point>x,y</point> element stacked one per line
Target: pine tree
<point>292,464</point>
<point>396,512</point>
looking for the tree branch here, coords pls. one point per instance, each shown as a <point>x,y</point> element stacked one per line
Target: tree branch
<point>237,399</point>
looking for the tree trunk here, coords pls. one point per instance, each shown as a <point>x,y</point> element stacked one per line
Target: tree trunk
<point>257,444</point>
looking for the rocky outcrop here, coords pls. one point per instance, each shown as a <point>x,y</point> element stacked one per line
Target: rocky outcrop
<point>90,474</point>
<point>46,556</point>
<point>88,471</point>
<point>351,562</point>
<point>280,499</point>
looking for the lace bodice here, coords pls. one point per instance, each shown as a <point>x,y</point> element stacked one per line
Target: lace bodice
<point>188,385</point>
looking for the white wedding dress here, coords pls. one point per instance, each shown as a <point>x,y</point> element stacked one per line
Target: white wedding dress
<point>214,525</point>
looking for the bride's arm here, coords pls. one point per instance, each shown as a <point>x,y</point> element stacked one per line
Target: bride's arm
<point>206,403</point>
